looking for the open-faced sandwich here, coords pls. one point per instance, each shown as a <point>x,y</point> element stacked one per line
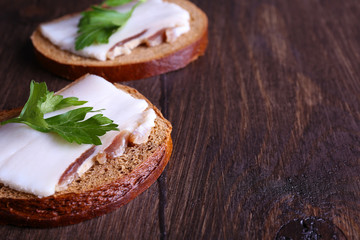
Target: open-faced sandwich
<point>123,39</point>
<point>80,153</point>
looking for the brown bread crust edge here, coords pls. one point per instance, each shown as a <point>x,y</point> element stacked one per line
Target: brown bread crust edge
<point>189,50</point>
<point>71,208</point>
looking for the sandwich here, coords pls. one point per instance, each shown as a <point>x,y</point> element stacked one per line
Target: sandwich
<point>132,41</point>
<point>57,167</point>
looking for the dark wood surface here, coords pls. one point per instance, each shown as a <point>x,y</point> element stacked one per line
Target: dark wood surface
<point>266,124</point>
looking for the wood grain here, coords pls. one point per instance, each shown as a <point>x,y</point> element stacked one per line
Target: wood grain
<point>266,124</point>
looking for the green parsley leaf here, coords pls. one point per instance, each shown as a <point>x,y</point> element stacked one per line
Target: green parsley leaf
<point>113,3</point>
<point>98,24</point>
<point>54,102</point>
<point>31,113</point>
<point>70,125</point>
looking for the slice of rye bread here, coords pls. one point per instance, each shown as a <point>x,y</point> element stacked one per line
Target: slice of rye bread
<point>102,189</point>
<point>143,61</point>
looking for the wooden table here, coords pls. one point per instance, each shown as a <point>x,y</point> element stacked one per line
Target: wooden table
<point>266,124</point>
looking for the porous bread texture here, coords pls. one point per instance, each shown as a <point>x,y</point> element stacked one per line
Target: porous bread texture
<point>141,63</point>
<point>114,169</point>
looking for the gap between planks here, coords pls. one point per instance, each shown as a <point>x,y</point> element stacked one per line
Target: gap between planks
<point>162,179</point>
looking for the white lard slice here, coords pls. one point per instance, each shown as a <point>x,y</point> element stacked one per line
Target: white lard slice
<point>147,19</point>
<point>34,162</point>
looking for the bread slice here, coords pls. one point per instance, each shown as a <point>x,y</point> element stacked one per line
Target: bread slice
<point>141,63</point>
<point>102,189</point>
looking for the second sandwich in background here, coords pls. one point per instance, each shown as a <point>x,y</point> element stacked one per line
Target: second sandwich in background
<point>147,38</point>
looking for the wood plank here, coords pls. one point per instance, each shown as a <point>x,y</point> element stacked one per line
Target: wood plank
<point>267,125</point>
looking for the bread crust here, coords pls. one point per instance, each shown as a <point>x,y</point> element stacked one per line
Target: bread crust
<point>143,62</point>
<point>73,207</point>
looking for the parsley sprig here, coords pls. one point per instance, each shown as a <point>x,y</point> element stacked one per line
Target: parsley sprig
<point>98,24</point>
<point>114,3</point>
<point>69,125</point>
